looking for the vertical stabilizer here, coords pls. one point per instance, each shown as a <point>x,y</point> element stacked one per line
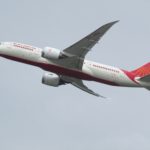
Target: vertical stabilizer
<point>142,71</point>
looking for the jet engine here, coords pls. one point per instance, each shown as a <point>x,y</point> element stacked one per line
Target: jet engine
<point>52,53</point>
<point>52,79</point>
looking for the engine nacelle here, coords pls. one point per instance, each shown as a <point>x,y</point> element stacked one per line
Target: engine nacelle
<point>52,53</point>
<point>51,79</point>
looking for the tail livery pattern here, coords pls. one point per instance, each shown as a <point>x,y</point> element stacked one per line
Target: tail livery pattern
<point>142,71</point>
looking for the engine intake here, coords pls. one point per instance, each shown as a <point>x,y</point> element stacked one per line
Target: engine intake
<point>52,79</point>
<point>52,53</point>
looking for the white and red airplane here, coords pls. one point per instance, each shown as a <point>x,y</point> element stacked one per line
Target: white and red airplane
<point>70,66</point>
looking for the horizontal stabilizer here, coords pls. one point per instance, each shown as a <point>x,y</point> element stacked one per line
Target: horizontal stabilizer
<point>145,78</point>
<point>146,81</point>
<point>148,88</point>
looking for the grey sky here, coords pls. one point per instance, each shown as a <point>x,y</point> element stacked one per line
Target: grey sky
<point>37,117</point>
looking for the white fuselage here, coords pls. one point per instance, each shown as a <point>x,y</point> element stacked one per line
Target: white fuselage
<point>90,70</point>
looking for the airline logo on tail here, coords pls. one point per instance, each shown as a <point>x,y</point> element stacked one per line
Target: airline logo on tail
<point>142,71</point>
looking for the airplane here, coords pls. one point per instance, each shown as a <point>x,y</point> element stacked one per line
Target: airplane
<point>70,67</point>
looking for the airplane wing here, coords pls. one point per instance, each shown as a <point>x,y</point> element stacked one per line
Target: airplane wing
<point>77,51</point>
<point>82,47</point>
<point>79,84</point>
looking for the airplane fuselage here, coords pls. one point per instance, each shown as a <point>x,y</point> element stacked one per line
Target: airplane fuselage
<point>91,71</point>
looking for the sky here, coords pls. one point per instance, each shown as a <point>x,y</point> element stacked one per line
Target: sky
<point>36,117</point>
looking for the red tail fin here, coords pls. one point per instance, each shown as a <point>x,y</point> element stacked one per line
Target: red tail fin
<point>142,71</point>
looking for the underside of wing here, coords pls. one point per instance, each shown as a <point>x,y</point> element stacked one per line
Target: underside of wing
<point>79,84</point>
<point>82,47</point>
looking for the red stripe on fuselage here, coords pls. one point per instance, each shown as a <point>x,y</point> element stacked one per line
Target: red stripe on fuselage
<point>61,70</point>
